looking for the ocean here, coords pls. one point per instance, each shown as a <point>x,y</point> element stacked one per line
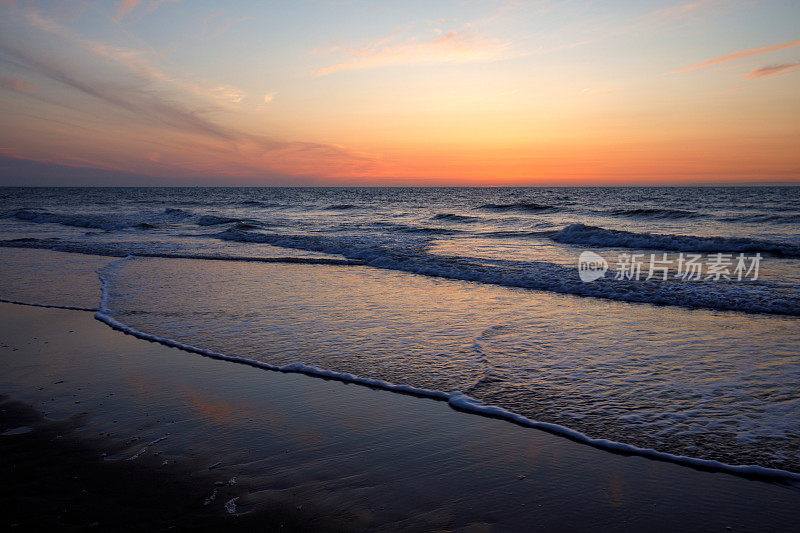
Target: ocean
<point>685,344</point>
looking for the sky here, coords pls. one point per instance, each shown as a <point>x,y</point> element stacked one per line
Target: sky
<point>348,92</point>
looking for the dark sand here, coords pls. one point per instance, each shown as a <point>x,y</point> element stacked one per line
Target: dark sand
<point>103,430</point>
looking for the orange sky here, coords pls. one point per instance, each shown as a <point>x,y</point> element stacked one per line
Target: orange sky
<point>477,93</point>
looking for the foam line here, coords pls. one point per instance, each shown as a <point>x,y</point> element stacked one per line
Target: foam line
<point>293,260</point>
<point>761,296</point>
<point>104,282</point>
<point>457,400</point>
<point>750,297</point>
<point>463,402</point>
<point>66,248</point>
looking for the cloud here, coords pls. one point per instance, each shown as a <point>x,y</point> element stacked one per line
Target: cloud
<point>453,47</point>
<point>153,106</point>
<point>18,84</point>
<point>740,54</point>
<point>685,10</point>
<point>125,7</point>
<point>269,97</point>
<point>146,106</point>
<point>227,93</point>
<point>136,62</point>
<point>774,71</point>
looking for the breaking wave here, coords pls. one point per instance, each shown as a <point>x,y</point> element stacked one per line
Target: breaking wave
<point>584,235</point>
<point>752,297</point>
<point>654,213</point>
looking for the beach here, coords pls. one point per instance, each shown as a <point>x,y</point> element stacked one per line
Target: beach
<point>195,442</point>
<point>380,266</point>
<point>376,360</point>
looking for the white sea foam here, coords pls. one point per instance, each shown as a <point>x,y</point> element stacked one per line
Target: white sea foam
<point>141,250</point>
<point>457,399</point>
<point>464,402</point>
<point>753,297</point>
<point>744,296</point>
<point>230,505</point>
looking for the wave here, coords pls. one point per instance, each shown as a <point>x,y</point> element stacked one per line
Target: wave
<point>257,203</point>
<point>653,213</point>
<point>519,206</point>
<point>341,207</point>
<point>79,221</point>
<point>584,235</point>
<point>512,234</point>
<point>125,250</point>
<point>107,222</point>
<point>411,256</point>
<point>743,296</point>
<point>457,400</point>
<point>452,217</point>
<point>214,220</point>
<point>416,230</point>
<point>762,217</point>
<point>180,213</point>
<point>247,225</point>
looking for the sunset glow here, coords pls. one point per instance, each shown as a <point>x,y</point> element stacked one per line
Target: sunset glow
<point>400,93</point>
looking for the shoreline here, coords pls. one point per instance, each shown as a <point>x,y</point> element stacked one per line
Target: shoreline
<point>457,401</point>
<point>384,460</point>
<point>462,402</point>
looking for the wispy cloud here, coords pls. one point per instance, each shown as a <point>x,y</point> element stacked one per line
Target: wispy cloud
<point>125,7</point>
<point>20,85</point>
<point>149,102</point>
<point>739,54</point>
<point>145,106</point>
<point>453,47</point>
<point>685,10</point>
<point>774,71</point>
<point>135,62</point>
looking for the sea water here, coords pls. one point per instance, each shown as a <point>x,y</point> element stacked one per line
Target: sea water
<point>471,294</point>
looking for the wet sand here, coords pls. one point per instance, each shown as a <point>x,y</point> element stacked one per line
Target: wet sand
<point>100,429</point>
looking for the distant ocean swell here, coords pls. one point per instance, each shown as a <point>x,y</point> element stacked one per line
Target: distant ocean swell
<point>577,234</point>
<point>144,220</point>
<point>108,222</point>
